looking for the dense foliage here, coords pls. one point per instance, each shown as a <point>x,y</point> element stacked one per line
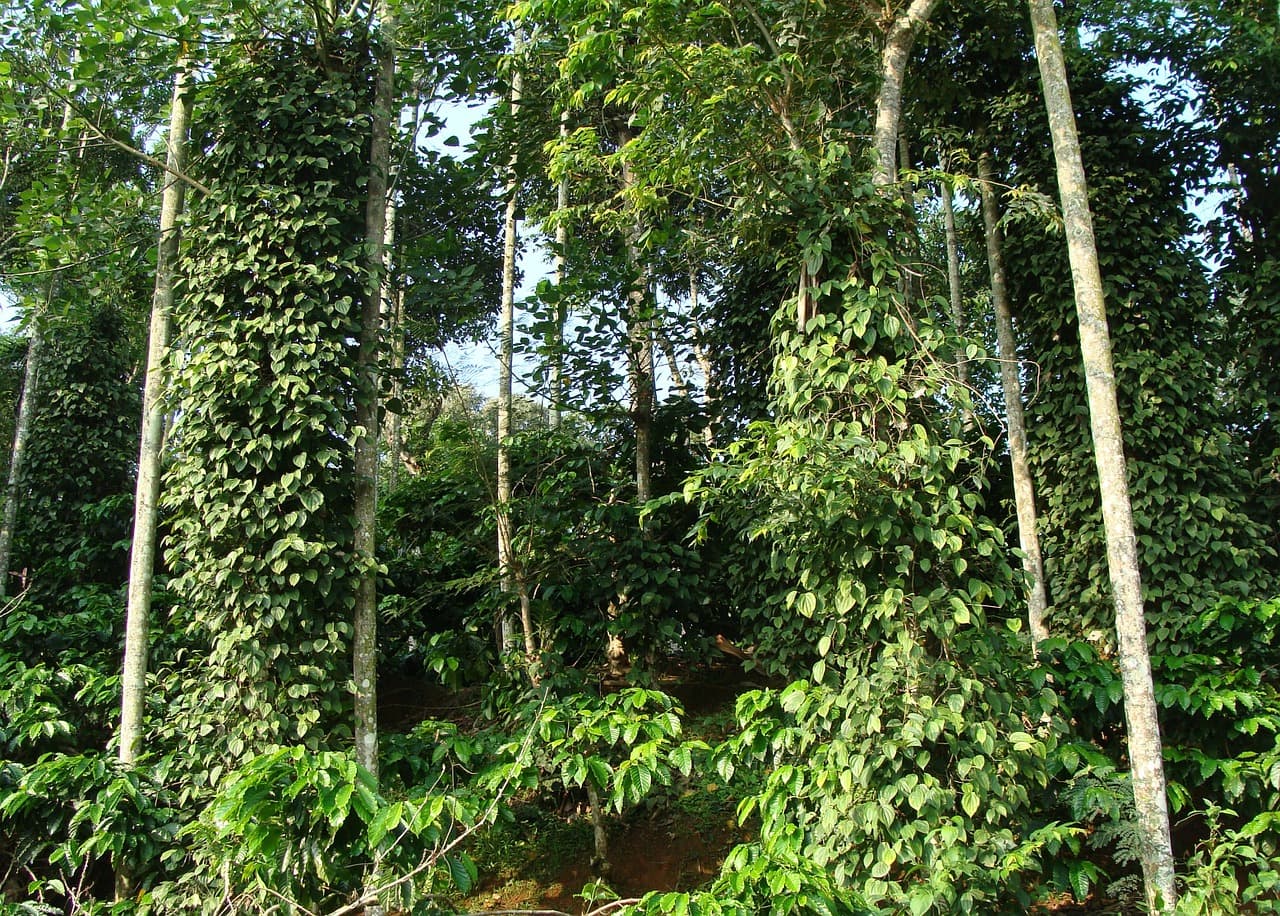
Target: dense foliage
<point>756,443</point>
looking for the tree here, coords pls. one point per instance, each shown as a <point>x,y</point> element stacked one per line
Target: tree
<point>513,581</point>
<point>899,39</point>
<point>147,492</point>
<point>261,485</point>
<point>367,397</point>
<point>1122,553</point>
<point>1011,382</point>
<point>21,435</point>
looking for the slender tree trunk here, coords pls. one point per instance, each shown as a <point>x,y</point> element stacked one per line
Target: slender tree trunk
<point>704,360</point>
<point>640,347</point>
<point>133,681</point>
<point>678,382</point>
<point>365,641</point>
<point>1024,494</point>
<point>364,654</point>
<point>512,579</point>
<point>150,450</point>
<point>389,329</point>
<point>1145,750</point>
<point>556,337</point>
<point>595,810</point>
<point>21,433</point>
<point>30,397</point>
<point>955,292</point>
<point>641,377</point>
<point>506,320</point>
<point>893,68</point>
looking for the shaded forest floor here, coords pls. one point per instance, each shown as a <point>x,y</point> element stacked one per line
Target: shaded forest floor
<point>675,841</point>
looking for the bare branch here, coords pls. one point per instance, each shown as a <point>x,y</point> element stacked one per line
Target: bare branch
<point>131,150</point>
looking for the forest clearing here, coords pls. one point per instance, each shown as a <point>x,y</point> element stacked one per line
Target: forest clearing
<point>865,503</point>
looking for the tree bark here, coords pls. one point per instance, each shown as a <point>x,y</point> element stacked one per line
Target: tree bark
<point>512,580</point>
<point>1024,494</point>
<point>556,338</point>
<point>893,68</point>
<point>1145,750</point>
<point>640,346</point>
<point>704,361</point>
<point>365,640</point>
<point>955,293</point>
<point>21,433</point>
<point>147,492</point>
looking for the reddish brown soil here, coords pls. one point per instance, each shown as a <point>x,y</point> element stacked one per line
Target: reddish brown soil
<point>666,852</point>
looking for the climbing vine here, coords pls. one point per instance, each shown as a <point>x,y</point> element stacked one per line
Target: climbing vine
<point>905,763</point>
<point>260,488</point>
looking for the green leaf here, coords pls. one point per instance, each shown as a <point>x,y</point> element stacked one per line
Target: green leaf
<point>462,871</point>
<point>387,818</point>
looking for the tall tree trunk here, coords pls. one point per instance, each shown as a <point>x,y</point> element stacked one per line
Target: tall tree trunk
<point>147,493</point>
<point>30,396</point>
<point>640,374</point>
<point>1024,494</point>
<point>364,650</point>
<point>21,433</point>
<point>395,426</point>
<point>640,345</point>
<point>1145,752</point>
<point>512,580</point>
<point>142,552</point>
<point>555,339</point>
<point>954,291</point>
<point>506,321</point>
<point>893,68</point>
<point>704,360</point>
<point>365,640</point>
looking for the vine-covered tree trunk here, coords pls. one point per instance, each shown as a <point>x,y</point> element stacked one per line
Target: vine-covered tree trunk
<point>261,483</point>
<point>1145,750</point>
<point>147,490</point>
<point>1024,493</point>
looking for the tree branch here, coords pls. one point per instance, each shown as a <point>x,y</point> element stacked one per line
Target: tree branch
<point>131,150</point>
